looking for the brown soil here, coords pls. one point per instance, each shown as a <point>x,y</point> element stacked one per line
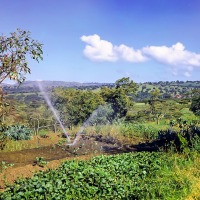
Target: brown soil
<point>25,164</point>
<point>9,175</point>
<point>25,160</point>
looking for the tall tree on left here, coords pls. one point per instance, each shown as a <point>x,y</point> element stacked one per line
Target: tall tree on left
<point>14,51</point>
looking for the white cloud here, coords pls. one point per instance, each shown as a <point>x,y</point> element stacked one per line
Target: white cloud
<point>97,49</point>
<point>176,57</point>
<point>129,54</point>
<point>102,50</point>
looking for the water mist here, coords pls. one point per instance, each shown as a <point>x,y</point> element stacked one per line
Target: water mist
<point>54,111</point>
<point>85,124</point>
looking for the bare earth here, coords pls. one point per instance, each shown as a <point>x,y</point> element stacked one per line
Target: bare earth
<point>55,154</point>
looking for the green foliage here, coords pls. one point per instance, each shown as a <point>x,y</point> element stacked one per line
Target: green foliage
<point>156,110</point>
<point>195,106</point>
<point>14,52</point>
<point>120,97</point>
<point>168,90</point>
<point>3,128</point>
<point>128,86</point>
<point>102,116</point>
<point>4,165</point>
<point>184,137</point>
<point>18,132</point>
<point>43,133</point>
<point>3,138</point>
<point>40,161</point>
<point>155,94</point>
<point>13,55</point>
<point>6,108</point>
<point>3,141</point>
<point>145,131</point>
<point>75,106</point>
<point>125,176</point>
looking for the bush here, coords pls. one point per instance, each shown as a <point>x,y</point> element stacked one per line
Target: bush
<point>184,137</point>
<point>18,132</point>
<point>195,106</point>
<point>3,138</point>
<point>3,141</point>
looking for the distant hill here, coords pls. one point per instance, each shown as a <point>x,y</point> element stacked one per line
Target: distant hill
<point>51,84</point>
<point>168,89</point>
<point>32,86</point>
<point>29,90</point>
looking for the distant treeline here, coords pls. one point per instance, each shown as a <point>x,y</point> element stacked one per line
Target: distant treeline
<point>32,86</point>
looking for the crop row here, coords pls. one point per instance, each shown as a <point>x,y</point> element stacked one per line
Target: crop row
<point>124,176</point>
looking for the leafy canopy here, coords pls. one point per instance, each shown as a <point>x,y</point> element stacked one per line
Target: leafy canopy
<point>120,97</point>
<point>14,50</point>
<point>195,105</point>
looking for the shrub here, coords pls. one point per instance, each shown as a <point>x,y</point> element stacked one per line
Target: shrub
<point>3,141</point>
<point>184,137</point>
<point>195,106</point>
<point>3,138</point>
<point>18,132</point>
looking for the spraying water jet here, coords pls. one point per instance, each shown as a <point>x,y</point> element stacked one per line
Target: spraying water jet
<point>55,113</point>
<point>94,115</point>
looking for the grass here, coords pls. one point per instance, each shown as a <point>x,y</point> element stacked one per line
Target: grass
<point>130,133</point>
<point>35,142</point>
<point>188,115</point>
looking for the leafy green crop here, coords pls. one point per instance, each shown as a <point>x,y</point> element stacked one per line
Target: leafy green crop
<point>18,132</point>
<point>4,165</point>
<point>40,161</point>
<point>123,176</point>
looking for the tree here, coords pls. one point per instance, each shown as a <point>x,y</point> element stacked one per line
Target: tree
<point>75,106</point>
<point>120,97</point>
<point>14,51</point>
<point>101,116</point>
<point>5,107</point>
<point>195,105</point>
<point>154,99</point>
<point>128,86</point>
<point>13,55</point>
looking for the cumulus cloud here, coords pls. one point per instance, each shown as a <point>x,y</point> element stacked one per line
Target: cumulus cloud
<point>129,54</point>
<point>98,50</point>
<point>102,50</point>
<point>176,56</point>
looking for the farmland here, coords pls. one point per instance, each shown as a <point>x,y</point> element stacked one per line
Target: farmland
<point>123,176</point>
<point>128,146</point>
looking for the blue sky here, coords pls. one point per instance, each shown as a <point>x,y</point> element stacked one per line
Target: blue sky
<point>104,40</point>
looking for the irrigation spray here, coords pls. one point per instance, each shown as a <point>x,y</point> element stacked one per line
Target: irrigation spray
<point>90,121</point>
<point>85,124</point>
<point>54,111</point>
